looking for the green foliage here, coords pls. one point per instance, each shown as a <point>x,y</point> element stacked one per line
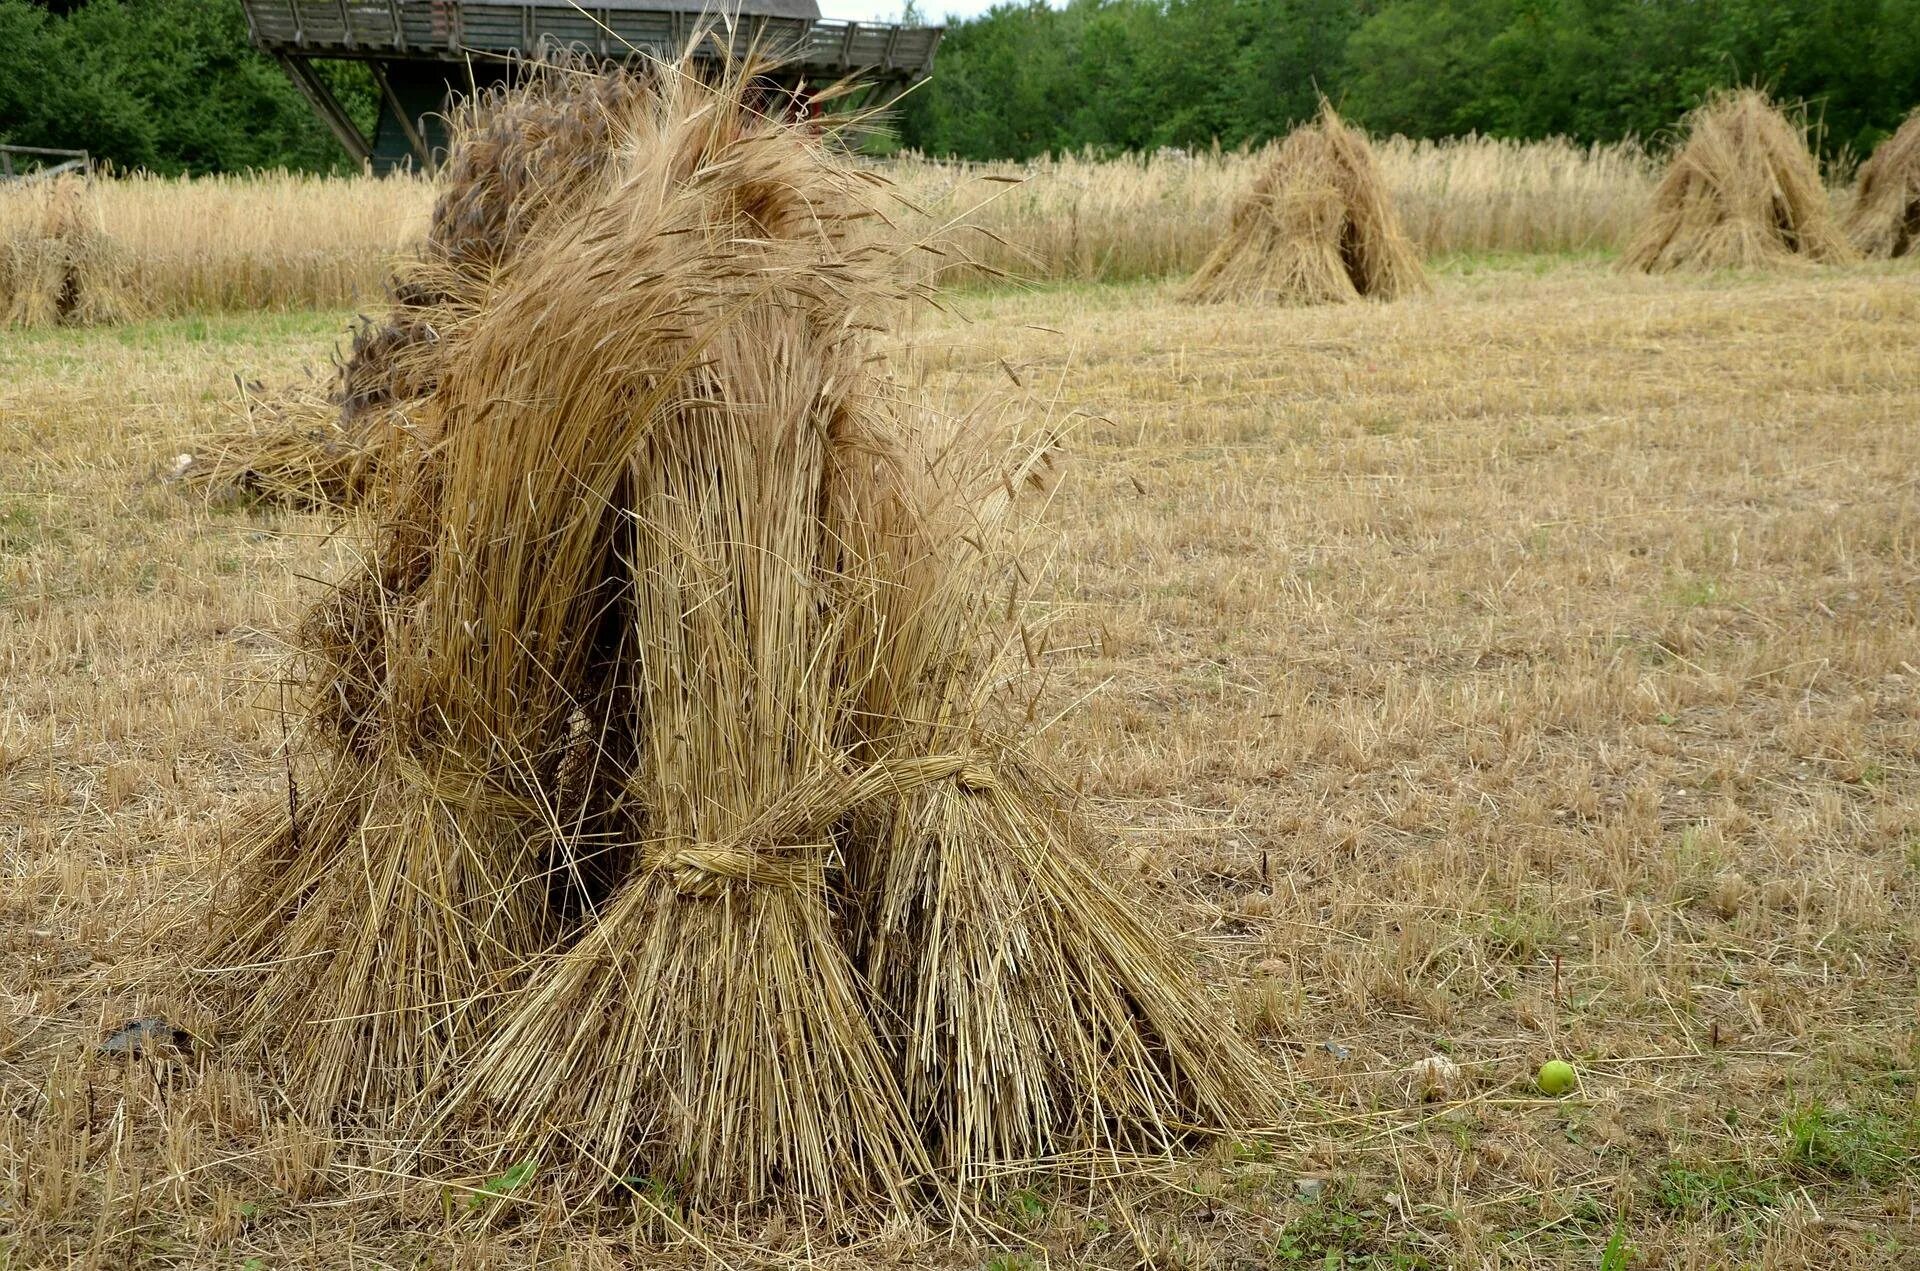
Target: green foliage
<point>171,85</point>
<point>1714,1191</point>
<point>1026,1208</point>
<point>166,85</point>
<point>1344,1231</point>
<point>1618,1254</point>
<point>1025,79</point>
<point>512,1180</point>
<point>1865,1144</point>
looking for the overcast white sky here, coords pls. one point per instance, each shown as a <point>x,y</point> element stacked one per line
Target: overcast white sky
<point>889,10</point>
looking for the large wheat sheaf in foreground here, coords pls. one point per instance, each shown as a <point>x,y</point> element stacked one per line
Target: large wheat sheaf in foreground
<point>1317,227</point>
<point>661,817</point>
<point>1742,192</point>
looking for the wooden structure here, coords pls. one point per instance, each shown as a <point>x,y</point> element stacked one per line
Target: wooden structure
<point>35,162</point>
<point>421,52</point>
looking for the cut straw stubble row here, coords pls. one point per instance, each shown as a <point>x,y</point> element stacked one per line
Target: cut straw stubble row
<point>663,824</point>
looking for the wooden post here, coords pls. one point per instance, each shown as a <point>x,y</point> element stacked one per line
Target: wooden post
<point>415,141</point>
<point>315,90</point>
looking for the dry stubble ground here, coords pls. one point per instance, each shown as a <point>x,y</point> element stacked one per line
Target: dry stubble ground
<point>1529,670</point>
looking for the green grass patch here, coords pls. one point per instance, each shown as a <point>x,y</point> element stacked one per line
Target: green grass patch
<point>1344,1230</point>
<point>1470,264</point>
<point>1709,1190</point>
<point>1850,1144</point>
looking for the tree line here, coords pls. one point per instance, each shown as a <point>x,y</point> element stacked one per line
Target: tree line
<point>171,85</point>
<point>1025,79</point>
<point>166,85</point>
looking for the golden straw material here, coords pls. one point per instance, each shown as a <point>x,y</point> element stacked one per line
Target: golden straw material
<point>389,911</point>
<point>691,383</point>
<point>57,267</point>
<point>668,820</point>
<point>518,155</point>
<point>1885,218</point>
<point>1742,192</point>
<point>1318,227</point>
<point>291,448</point>
<point>1034,1007</point>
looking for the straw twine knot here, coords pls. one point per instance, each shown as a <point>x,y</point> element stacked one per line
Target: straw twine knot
<point>900,776</point>
<point>707,871</point>
<point>785,844</point>
<point>976,777</point>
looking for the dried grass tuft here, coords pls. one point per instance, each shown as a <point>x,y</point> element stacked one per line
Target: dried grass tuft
<point>1743,192</point>
<point>57,267</point>
<point>1885,218</point>
<point>665,817</point>
<point>1318,227</point>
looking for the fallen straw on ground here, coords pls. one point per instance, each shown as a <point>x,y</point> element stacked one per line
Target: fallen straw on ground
<point>1523,672</point>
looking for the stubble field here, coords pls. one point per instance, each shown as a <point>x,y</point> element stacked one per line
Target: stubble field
<point>1528,670</point>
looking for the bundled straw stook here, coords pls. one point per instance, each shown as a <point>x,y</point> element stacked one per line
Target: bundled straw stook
<point>515,153</point>
<point>56,266</point>
<point>663,819</point>
<point>1885,218</point>
<point>1318,227</point>
<point>1742,192</point>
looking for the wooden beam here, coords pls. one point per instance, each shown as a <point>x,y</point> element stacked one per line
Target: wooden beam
<point>50,151</point>
<point>43,174</point>
<point>332,113</point>
<point>883,93</point>
<point>415,141</point>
